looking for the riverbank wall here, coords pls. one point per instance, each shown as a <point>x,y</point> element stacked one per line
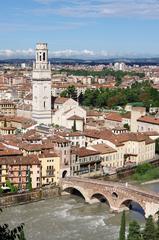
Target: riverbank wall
<point>8,200</point>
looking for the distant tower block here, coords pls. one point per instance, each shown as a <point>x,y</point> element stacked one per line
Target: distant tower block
<point>41,83</point>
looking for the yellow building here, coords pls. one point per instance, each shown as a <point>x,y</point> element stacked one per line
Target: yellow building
<point>50,168</point>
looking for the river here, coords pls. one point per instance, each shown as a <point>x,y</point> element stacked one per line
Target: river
<point>68,217</point>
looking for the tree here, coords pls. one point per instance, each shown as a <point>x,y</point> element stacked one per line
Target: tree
<point>12,234</point>
<point>157,227</point>
<point>70,92</point>
<point>74,126</point>
<point>149,230</point>
<point>122,227</point>
<point>126,125</point>
<point>29,183</point>
<point>11,186</point>
<point>157,146</point>
<point>134,231</point>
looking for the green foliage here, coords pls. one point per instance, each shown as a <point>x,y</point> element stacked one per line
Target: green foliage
<point>122,227</point>
<point>12,234</point>
<point>13,189</point>
<point>29,184</point>
<point>1,190</point>
<point>157,146</point>
<point>70,92</point>
<point>139,92</point>
<point>145,172</point>
<point>134,231</point>
<point>74,126</point>
<point>149,230</point>
<point>157,227</point>
<point>143,168</point>
<point>126,125</point>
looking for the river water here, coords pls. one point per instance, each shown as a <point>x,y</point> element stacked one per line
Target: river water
<point>69,218</point>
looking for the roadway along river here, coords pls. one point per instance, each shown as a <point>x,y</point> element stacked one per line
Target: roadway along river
<point>68,218</point>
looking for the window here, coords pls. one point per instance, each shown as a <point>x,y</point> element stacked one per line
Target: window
<point>44,104</point>
<point>43,56</point>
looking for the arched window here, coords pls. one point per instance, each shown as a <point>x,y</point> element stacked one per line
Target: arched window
<point>44,56</point>
<point>44,104</point>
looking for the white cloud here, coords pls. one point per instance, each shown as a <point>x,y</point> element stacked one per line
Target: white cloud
<point>101,8</point>
<point>8,53</point>
<point>69,53</point>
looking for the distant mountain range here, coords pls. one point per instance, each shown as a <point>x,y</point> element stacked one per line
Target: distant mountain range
<point>130,61</point>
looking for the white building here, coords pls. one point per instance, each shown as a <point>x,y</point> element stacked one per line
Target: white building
<point>119,66</point>
<point>41,81</point>
<point>70,113</point>
<point>147,124</point>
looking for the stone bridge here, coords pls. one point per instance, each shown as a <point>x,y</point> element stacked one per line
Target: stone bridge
<point>116,194</point>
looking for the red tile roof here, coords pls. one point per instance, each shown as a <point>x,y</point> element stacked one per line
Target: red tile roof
<point>60,100</point>
<point>20,160</point>
<point>84,152</point>
<point>149,119</point>
<point>75,117</point>
<point>113,117</point>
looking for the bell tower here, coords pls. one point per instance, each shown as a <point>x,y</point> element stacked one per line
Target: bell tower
<point>41,83</point>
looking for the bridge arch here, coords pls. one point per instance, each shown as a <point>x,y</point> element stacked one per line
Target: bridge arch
<point>101,197</point>
<point>133,205</point>
<point>76,191</point>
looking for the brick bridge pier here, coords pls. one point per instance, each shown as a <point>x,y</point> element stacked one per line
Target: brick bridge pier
<point>116,194</point>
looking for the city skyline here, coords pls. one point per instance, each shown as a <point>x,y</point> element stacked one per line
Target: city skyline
<point>80,29</point>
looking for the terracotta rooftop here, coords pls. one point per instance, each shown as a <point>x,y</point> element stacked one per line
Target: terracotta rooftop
<point>84,152</point>
<point>75,117</point>
<point>138,137</point>
<point>48,155</point>
<point>92,113</point>
<point>71,134</point>
<point>126,115</point>
<point>30,147</point>
<point>10,152</point>
<point>113,117</point>
<point>103,148</point>
<point>20,160</point>
<point>5,101</point>
<point>60,100</point>
<point>149,119</point>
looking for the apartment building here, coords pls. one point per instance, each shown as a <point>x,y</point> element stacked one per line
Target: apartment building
<point>20,171</point>
<point>50,168</point>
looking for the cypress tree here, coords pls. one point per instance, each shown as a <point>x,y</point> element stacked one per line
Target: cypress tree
<point>122,227</point>
<point>157,227</point>
<point>134,231</point>
<point>149,231</point>
<point>74,126</point>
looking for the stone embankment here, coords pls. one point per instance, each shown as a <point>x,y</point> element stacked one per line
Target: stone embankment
<point>28,197</point>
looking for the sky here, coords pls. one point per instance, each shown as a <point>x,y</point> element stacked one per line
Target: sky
<point>80,28</point>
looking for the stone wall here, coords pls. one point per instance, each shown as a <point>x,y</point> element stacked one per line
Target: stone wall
<point>22,198</point>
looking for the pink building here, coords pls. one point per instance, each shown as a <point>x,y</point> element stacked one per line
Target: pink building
<point>20,171</point>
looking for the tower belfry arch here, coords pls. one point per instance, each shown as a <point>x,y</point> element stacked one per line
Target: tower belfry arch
<point>41,84</point>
